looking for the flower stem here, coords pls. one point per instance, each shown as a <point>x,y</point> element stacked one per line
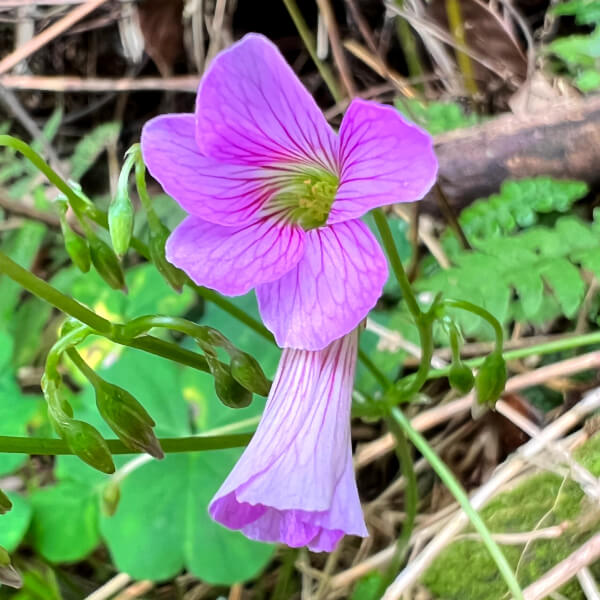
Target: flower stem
<point>480,312</point>
<point>71,307</point>
<point>458,492</point>
<point>411,498</point>
<point>396,263</point>
<point>567,343</point>
<point>52,447</point>
<point>309,43</point>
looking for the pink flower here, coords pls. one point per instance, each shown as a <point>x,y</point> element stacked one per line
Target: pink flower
<point>295,481</point>
<point>274,195</point>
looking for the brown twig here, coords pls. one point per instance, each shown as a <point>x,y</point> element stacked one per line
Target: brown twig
<point>336,46</point>
<point>564,570</point>
<point>45,36</point>
<point>181,83</point>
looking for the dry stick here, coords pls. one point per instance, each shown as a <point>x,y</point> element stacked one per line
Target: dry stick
<point>180,83</point>
<point>588,584</point>
<point>336,46</point>
<point>110,588</point>
<point>42,38</point>
<point>564,570</point>
<point>503,474</point>
<point>430,418</point>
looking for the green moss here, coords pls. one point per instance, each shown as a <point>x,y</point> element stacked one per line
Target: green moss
<point>465,571</point>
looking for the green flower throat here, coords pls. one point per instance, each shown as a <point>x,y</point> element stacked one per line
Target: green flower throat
<point>306,198</point>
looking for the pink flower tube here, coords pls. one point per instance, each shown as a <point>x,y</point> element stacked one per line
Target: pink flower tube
<point>295,481</point>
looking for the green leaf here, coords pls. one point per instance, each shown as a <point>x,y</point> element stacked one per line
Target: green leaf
<point>14,524</point>
<point>566,283</point>
<point>64,526</point>
<point>22,246</point>
<point>88,150</point>
<point>175,512</point>
<point>584,11</point>
<point>39,583</point>
<point>578,50</point>
<point>436,117</point>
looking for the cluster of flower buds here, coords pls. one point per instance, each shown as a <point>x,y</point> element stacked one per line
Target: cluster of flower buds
<point>235,384</point>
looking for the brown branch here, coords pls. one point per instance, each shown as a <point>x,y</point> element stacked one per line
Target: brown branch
<point>45,36</point>
<point>183,83</point>
<point>564,570</point>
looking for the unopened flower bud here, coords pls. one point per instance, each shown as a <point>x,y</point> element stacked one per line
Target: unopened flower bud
<point>5,503</point>
<point>76,246</point>
<point>247,372</point>
<point>157,240</point>
<point>491,379</point>
<point>110,498</point>
<point>106,263</point>
<point>461,377</point>
<point>120,213</point>
<point>127,418</point>
<point>8,575</point>
<point>228,390</point>
<point>86,442</point>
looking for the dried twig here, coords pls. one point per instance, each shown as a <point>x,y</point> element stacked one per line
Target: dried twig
<point>111,587</point>
<point>564,570</point>
<point>40,40</point>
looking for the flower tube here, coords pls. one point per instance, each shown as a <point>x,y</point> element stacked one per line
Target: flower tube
<point>295,482</point>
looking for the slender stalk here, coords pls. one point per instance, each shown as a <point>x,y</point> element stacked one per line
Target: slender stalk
<point>568,343</point>
<point>55,447</point>
<point>411,499</point>
<point>396,263</point>
<point>458,492</point>
<point>38,287</point>
<point>457,29</point>
<point>310,44</point>
<point>373,369</point>
<point>481,312</point>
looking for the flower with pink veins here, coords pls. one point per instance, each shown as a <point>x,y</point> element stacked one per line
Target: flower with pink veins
<point>275,197</point>
<point>295,481</point>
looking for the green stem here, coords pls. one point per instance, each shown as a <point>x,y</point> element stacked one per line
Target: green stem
<point>455,21</point>
<point>46,292</point>
<point>55,447</point>
<point>396,263</point>
<point>309,42</point>
<point>411,499</point>
<point>480,312</point>
<point>85,369</point>
<point>461,497</point>
<point>373,369</point>
<point>567,343</point>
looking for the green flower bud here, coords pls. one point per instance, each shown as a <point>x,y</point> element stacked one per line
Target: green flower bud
<point>110,498</point>
<point>76,246</point>
<point>86,442</point>
<point>228,390</point>
<point>5,503</point>
<point>106,263</point>
<point>127,418</point>
<point>491,379</point>
<point>461,377</point>
<point>120,215</point>
<point>247,372</point>
<point>8,575</point>
<point>158,238</point>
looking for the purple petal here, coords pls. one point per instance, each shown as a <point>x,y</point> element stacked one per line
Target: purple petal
<point>329,292</point>
<point>383,160</point>
<point>251,109</point>
<point>232,260</point>
<point>217,192</point>
<point>295,482</point>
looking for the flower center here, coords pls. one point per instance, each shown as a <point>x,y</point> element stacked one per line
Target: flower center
<point>306,198</point>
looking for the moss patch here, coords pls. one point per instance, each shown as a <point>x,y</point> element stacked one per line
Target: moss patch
<point>465,571</point>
